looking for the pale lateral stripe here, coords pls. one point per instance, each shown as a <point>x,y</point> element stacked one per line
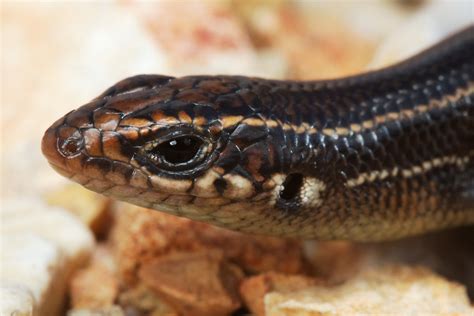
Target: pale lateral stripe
<point>230,121</point>
<point>368,177</point>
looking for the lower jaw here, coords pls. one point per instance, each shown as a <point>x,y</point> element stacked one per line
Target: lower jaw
<point>62,171</point>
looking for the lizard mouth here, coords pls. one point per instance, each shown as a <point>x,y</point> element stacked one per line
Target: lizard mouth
<point>175,203</point>
<point>128,182</point>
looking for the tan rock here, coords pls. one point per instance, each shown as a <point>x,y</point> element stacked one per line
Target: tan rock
<point>140,299</point>
<point>95,286</point>
<point>195,283</point>
<point>336,261</point>
<point>254,289</point>
<point>141,235</point>
<point>395,290</point>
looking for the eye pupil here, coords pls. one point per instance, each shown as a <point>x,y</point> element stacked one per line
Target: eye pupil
<point>178,150</point>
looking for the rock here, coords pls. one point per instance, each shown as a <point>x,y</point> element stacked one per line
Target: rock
<point>141,235</point>
<point>16,300</point>
<point>95,286</point>
<point>395,290</point>
<point>37,265</point>
<point>66,231</point>
<point>336,261</point>
<point>107,311</point>
<point>195,283</point>
<point>141,300</point>
<point>253,289</point>
<point>42,246</point>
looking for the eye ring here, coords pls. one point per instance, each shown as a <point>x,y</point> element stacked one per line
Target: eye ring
<point>211,144</point>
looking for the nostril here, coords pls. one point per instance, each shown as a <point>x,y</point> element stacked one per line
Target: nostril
<point>70,141</point>
<point>71,146</point>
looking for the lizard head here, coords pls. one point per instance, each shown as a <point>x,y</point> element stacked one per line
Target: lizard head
<point>191,146</point>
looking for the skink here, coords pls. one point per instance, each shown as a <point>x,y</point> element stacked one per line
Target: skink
<point>380,155</point>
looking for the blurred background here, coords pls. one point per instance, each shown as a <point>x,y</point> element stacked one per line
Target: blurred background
<point>59,55</point>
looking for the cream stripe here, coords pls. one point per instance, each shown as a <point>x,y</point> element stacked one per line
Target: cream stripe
<point>403,114</point>
<point>368,177</point>
<point>229,121</point>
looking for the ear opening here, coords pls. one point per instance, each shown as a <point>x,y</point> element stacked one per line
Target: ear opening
<point>291,187</point>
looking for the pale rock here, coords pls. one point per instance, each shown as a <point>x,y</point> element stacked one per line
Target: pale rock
<point>36,264</point>
<point>254,288</point>
<point>395,290</point>
<point>41,246</point>
<point>65,230</point>
<point>16,299</point>
<point>106,311</point>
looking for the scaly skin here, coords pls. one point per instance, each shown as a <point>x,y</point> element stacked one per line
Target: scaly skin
<point>380,155</point>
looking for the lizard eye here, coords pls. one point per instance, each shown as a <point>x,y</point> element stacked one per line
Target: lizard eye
<point>178,150</point>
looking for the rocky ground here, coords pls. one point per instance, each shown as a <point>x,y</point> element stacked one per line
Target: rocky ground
<point>67,250</point>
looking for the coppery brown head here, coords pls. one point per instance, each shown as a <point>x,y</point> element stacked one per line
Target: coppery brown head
<point>189,146</point>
